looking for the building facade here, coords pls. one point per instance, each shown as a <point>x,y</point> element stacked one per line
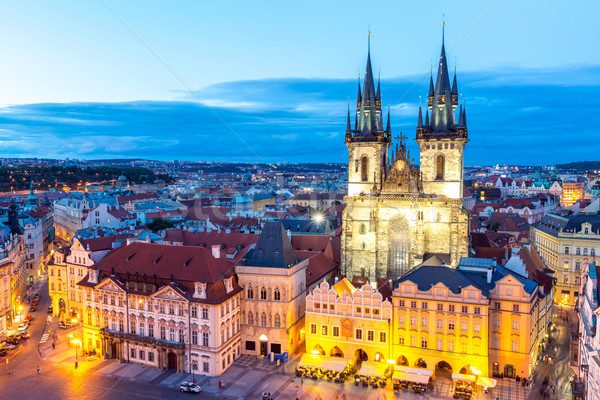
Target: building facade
<point>589,345</point>
<point>398,215</point>
<point>174,307</point>
<point>274,282</point>
<point>565,243</point>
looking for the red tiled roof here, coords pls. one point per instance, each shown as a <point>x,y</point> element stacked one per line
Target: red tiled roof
<point>230,242</point>
<point>204,213</point>
<point>310,242</point>
<point>136,197</point>
<point>319,265</point>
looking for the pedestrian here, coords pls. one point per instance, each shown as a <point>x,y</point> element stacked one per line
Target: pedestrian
<point>220,384</point>
<point>76,364</point>
<point>301,380</point>
<point>39,369</point>
<point>53,346</point>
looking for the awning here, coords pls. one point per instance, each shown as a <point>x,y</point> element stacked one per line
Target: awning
<point>418,371</point>
<point>463,377</point>
<point>373,369</point>
<point>486,382</point>
<point>335,364</point>
<point>409,377</point>
<point>311,361</point>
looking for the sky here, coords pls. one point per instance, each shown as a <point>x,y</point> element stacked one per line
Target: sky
<point>270,81</point>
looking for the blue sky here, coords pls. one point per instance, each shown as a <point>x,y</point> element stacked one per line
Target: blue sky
<point>96,79</point>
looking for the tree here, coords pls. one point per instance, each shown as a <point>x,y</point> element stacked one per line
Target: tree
<point>158,224</point>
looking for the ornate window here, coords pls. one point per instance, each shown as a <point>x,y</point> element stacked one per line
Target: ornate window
<point>439,170</point>
<point>250,318</point>
<point>399,246</point>
<point>364,169</point>
<point>277,295</point>
<point>250,293</point>
<point>277,321</point>
<point>363,229</point>
<point>263,293</point>
<point>263,319</point>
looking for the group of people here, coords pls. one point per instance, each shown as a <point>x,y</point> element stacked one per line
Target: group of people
<point>266,396</point>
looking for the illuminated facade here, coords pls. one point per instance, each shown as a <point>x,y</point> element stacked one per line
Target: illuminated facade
<point>572,192</point>
<point>566,243</point>
<point>343,321</point>
<point>174,307</point>
<point>398,215</point>
<point>479,318</point>
<point>274,282</point>
<point>589,345</point>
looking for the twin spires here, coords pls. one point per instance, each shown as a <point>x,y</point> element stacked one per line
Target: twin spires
<point>368,125</point>
<point>442,102</point>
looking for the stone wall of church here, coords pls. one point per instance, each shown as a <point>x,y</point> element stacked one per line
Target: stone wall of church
<point>435,225</point>
<point>374,153</point>
<point>452,150</point>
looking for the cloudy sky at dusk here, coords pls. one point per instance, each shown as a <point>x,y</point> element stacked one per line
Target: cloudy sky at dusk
<point>267,81</point>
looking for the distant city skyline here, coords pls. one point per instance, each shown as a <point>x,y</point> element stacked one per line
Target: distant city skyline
<point>104,80</point>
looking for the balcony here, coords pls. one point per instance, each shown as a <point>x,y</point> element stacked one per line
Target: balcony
<point>142,339</point>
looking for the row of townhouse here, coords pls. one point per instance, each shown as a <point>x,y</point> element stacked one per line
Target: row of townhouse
<point>478,317</point>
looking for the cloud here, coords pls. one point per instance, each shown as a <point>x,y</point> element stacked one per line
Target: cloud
<point>514,116</point>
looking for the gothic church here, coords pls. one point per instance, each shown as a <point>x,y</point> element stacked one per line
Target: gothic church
<point>399,215</point>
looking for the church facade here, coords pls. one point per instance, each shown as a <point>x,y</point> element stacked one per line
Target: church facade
<point>399,215</point>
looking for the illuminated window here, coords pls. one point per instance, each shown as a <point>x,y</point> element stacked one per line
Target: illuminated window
<point>324,330</point>
<point>439,174</point>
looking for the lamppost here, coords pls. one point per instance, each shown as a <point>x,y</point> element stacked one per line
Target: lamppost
<point>76,342</point>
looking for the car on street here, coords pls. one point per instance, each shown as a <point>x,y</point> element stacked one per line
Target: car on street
<point>50,309</point>
<point>28,318</point>
<point>35,303</point>
<point>7,346</point>
<point>24,335</point>
<point>32,309</point>
<point>13,339</point>
<point>37,296</point>
<point>3,352</point>
<point>23,326</point>
<point>190,387</point>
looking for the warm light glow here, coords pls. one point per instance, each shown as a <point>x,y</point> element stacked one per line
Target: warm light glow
<point>316,352</point>
<point>390,361</point>
<point>263,338</point>
<point>318,218</point>
<point>74,320</point>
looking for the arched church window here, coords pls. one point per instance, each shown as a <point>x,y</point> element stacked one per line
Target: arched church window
<point>263,319</point>
<point>276,321</point>
<point>263,294</point>
<point>439,174</point>
<point>364,169</point>
<point>250,318</point>
<point>250,293</point>
<point>276,294</point>
<point>362,229</point>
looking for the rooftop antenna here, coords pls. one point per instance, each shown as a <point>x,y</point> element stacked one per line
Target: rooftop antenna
<point>369,39</point>
<point>443,26</point>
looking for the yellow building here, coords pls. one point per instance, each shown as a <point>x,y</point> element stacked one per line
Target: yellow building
<point>343,321</point>
<point>572,192</point>
<point>397,215</point>
<point>478,319</point>
<point>566,243</point>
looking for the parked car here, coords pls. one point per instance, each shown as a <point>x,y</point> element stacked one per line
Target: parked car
<point>37,296</point>
<point>13,339</point>
<point>23,326</point>
<point>28,318</point>
<point>32,309</point>
<point>7,346</point>
<point>190,387</point>
<point>3,351</point>
<point>25,335</point>
<point>35,302</point>
<point>50,309</point>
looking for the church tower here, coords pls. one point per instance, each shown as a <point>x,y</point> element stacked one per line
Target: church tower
<point>368,143</point>
<point>441,139</point>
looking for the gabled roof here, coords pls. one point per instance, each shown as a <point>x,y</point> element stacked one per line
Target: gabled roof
<point>273,249</point>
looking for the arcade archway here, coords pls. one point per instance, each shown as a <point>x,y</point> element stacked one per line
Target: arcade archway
<point>360,355</point>
<point>336,352</point>
<point>420,363</point>
<point>402,361</point>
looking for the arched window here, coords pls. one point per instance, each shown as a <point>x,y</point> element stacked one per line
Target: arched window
<point>277,321</point>
<point>439,174</point>
<point>363,229</point>
<point>276,295</point>
<point>250,293</point>
<point>263,319</point>
<point>364,169</point>
<point>250,318</point>
<point>263,294</point>
<point>593,252</point>
<point>585,251</point>
<point>578,251</point>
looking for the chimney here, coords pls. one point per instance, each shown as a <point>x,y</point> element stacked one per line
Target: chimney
<point>216,250</point>
<point>489,273</point>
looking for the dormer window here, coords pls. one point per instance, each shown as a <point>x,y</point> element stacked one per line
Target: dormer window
<point>228,284</point>
<point>200,290</point>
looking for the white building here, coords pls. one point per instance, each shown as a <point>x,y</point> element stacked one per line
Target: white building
<point>589,345</point>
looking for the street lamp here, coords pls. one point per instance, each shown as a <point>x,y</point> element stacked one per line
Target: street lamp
<point>76,342</point>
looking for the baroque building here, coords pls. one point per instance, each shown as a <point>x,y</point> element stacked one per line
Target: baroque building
<point>398,214</point>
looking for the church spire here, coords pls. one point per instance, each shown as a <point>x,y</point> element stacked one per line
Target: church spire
<point>460,116</point>
<point>388,128</point>
<point>427,117</point>
<point>420,120</point>
<point>378,94</point>
<point>465,116</point>
<point>348,125</point>
<point>359,96</point>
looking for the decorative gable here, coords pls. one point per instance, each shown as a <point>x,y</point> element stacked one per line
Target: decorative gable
<point>168,293</point>
<point>200,290</point>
